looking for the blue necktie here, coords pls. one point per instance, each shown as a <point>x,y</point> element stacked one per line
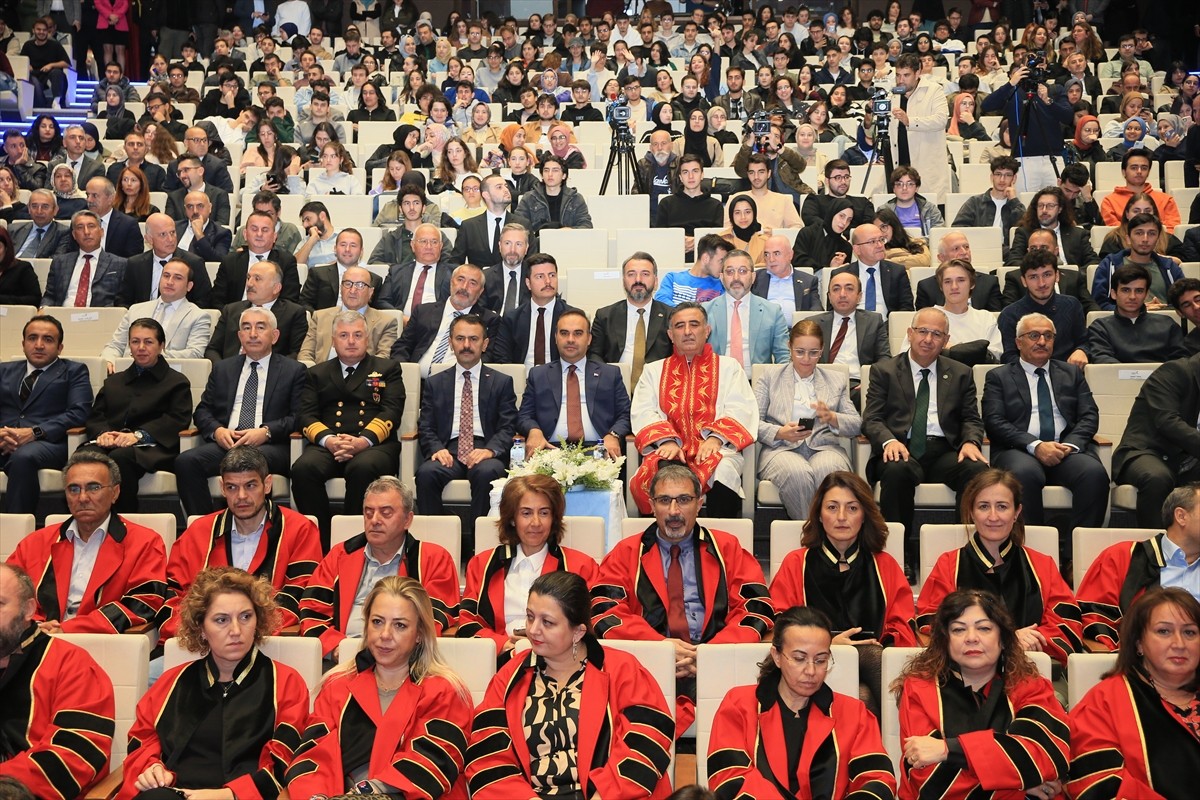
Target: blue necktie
<point>1045,408</point>
<point>870,298</point>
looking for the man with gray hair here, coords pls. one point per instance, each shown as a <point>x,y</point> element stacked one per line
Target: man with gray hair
<point>349,412</point>
<point>264,282</point>
<point>42,236</point>
<point>1040,416</point>
<point>86,276</point>
<point>986,294</point>
<point>252,398</point>
<point>75,156</point>
<point>385,547</point>
<point>424,279</point>
<point>119,233</point>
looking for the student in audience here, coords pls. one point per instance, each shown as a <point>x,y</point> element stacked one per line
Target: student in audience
<point>1155,249</point>
<point>61,702</point>
<point>786,165</point>
<point>1132,334</point>
<point>972,328</point>
<point>998,207</point>
<point>1184,297</point>
<point>744,231</point>
<point>1039,275</point>
<point>913,209</point>
<point>751,740</point>
<point>230,718</point>
<point>773,209</point>
<point>1050,211</point>
<point>948,735</point>
<point>386,547</point>
<point>553,204</point>
<point>1135,167</point>
<point>690,207</point>
<point>1127,731</point>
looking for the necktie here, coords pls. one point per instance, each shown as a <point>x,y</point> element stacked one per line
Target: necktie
<point>159,311</point>
<point>466,420</point>
<point>496,239</point>
<point>249,399</point>
<point>916,443</point>
<point>85,282</point>
<point>443,347</point>
<point>1045,408</point>
<point>33,246</point>
<point>419,292</point>
<point>676,613</point>
<point>75,169</point>
<point>837,340</point>
<point>349,373</point>
<point>260,258</point>
<point>902,135</point>
<point>162,263</point>
<point>28,383</point>
<point>735,333</point>
<point>639,346</point>
<point>510,294</point>
<point>539,339</point>
<point>869,302</point>
<point>574,407</point>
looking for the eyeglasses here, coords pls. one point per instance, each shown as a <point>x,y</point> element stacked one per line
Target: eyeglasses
<point>803,662</point>
<point>1047,206</point>
<point>736,271</point>
<point>872,242</point>
<point>90,489</point>
<point>196,139</point>
<point>931,333</point>
<point>355,284</point>
<point>1037,336</point>
<point>904,184</point>
<point>799,353</point>
<point>666,501</point>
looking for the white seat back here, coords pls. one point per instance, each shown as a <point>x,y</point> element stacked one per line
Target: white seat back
<point>1086,544</point>
<point>14,528</point>
<point>126,661</point>
<point>786,534</point>
<point>301,653</point>
<point>1084,670</point>
<point>585,534</point>
<point>659,660</point>
<point>473,659</point>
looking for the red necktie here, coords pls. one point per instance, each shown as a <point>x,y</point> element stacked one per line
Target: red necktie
<point>419,292</point>
<point>676,616</point>
<point>85,282</point>
<point>539,339</point>
<point>574,407</point>
<point>837,340</point>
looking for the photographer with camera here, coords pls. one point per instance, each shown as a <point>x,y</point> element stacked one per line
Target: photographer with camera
<point>919,131</point>
<point>786,165</point>
<point>1037,139</point>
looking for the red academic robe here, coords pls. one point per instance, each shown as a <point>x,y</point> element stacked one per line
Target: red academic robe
<point>895,626</point>
<point>1118,576</point>
<point>842,756</point>
<point>1030,750</point>
<point>482,612</point>
<point>418,745</point>
<point>623,741</point>
<point>329,598</point>
<point>629,600</point>
<point>126,587</point>
<point>58,714</point>
<point>262,719</point>
<point>1060,621</point>
<point>1115,728</point>
<point>288,552</point>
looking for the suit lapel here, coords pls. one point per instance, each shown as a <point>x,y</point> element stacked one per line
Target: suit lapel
<point>360,373</point>
<point>657,319</point>
<point>48,376</point>
<point>620,321</point>
<point>718,338</point>
<point>1022,386</point>
<point>859,329</point>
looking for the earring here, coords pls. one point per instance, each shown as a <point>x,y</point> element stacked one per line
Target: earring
<point>574,651</point>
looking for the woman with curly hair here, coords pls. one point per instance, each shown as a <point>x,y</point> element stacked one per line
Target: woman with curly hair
<point>133,194</point>
<point>971,698</point>
<point>784,96</point>
<point>229,720</point>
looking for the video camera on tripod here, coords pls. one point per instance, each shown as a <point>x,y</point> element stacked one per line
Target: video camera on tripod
<point>620,153</point>
<point>618,113</point>
<point>1035,63</point>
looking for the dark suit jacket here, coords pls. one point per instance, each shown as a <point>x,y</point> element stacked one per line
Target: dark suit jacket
<point>321,289</point>
<point>808,291</point>
<point>215,172</point>
<point>1007,405</point>
<point>327,394</point>
<point>418,335</point>
<point>156,176</point>
<point>986,294</point>
<point>139,272</point>
<point>216,196</point>
<point>870,335</point>
<point>607,400</point>
<point>56,241</point>
<point>291,319</point>
<point>891,399</point>
<point>399,279</point>
<point>1070,283</point>
<point>215,244</point>
<point>608,332</point>
<point>230,284</point>
<point>1162,422</point>
<point>497,411</point>
<point>88,169</point>
<point>124,238</point>
<point>19,285</point>
<point>1077,247</point>
<point>896,290</point>
<point>473,244</point>
<point>515,334</point>
<point>61,398</point>
<point>158,401</point>
<point>106,285</point>
<point>281,398</point>
<point>493,287</point>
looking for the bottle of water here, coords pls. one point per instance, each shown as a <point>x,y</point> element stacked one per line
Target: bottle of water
<point>599,452</point>
<point>517,454</point>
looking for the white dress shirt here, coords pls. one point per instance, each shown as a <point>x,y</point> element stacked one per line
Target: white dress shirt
<point>104,220</point>
<point>522,572</point>
<point>848,352</point>
<point>374,570</point>
<point>548,324</point>
<point>560,429</point>
<point>429,293</point>
<point>803,398</point>
<point>77,273</point>
<point>252,259</point>
<point>157,263</point>
<point>83,562</point>
<point>235,413</point>
<point>189,235</point>
<point>476,423</point>
<point>448,315</point>
<point>1035,420</point>
<point>933,426</point>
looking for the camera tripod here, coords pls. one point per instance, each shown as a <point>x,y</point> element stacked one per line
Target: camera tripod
<point>882,140</point>
<point>621,157</point>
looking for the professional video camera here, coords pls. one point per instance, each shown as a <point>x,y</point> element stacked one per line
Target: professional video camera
<point>617,114</point>
<point>881,104</point>
<point>1035,62</point>
<point>760,124</point>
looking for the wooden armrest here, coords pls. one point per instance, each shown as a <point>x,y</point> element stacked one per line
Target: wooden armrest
<point>923,639</point>
<point>1102,441</point>
<point>76,431</point>
<point>1094,646</point>
<point>408,437</point>
<point>190,432</point>
<point>144,628</point>
<point>289,630</point>
<point>295,435</point>
<point>108,787</point>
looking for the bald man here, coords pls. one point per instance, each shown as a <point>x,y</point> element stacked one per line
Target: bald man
<point>198,232</point>
<point>144,270</point>
<point>790,288</point>
<point>986,294</point>
<point>423,279</point>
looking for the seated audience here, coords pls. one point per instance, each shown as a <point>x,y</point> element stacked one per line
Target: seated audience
<point>1132,334</point>
<point>1039,275</point>
<point>745,327</point>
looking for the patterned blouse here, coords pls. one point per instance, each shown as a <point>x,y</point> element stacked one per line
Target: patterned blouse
<point>551,729</point>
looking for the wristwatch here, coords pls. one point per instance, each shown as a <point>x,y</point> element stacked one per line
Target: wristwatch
<point>140,436</point>
<point>38,433</point>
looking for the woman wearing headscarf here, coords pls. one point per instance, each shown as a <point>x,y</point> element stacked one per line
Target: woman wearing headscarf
<point>511,136</point>
<point>744,231</point>
<point>69,196</point>
<point>717,119</point>
<point>481,133</point>
<point>1170,133</point>
<point>826,243</point>
<point>662,116</point>
<point>963,124</point>
<point>91,140</point>
<point>560,145</point>
<point>120,119</point>
<point>1085,147</point>
<point>1134,133</point>
<point>404,139</point>
<point>697,140</point>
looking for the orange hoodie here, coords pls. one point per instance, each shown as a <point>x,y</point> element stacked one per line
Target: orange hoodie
<point>1114,204</point>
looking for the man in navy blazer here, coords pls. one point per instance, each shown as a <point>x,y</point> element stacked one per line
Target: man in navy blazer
<point>33,428</point>
<point>43,206</point>
<point>120,235</point>
<point>1057,449</point>
<point>519,340</point>
<point>273,422</point>
<point>805,293</point>
<point>108,270</point>
<point>494,412</point>
<point>604,401</point>
<point>893,292</point>
<point>200,234</point>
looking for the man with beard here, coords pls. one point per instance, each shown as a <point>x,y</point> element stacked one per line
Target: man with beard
<point>633,330</point>
<point>426,337</point>
<point>58,704</point>
<point>504,286</point>
<point>657,168</point>
<point>746,327</point>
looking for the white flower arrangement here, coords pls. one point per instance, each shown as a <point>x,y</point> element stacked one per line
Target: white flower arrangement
<point>573,466</point>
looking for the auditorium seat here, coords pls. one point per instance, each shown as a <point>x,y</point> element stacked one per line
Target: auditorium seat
<point>986,243</point>
<point>473,659</point>
<point>584,248</point>
<point>612,211</point>
<point>665,244</point>
<point>301,653</point>
<point>86,330</point>
<point>786,535</point>
<point>938,539</point>
<point>195,369</point>
<point>1084,670</point>
<point>1115,387</point>
<point>659,660</point>
<point>443,530</point>
<point>1086,544</point>
<point>585,534</point>
<point>12,321</point>
<point>126,661</point>
<point>14,528</point>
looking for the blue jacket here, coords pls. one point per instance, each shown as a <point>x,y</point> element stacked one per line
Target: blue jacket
<point>1044,132</point>
<point>1100,288</point>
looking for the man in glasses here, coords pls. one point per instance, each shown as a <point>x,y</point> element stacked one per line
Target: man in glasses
<point>1040,277</point>
<point>1070,281</point>
<point>714,588</point>
<point>356,292</point>
<point>214,170</point>
<point>748,328</point>
<point>924,427</point>
<point>1050,210</point>
<point>885,283</point>
<point>1040,417</point>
